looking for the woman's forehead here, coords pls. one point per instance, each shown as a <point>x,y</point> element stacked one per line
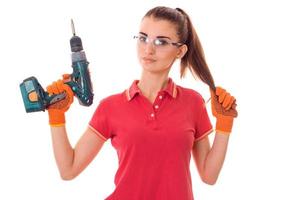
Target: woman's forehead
<point>158,27</point>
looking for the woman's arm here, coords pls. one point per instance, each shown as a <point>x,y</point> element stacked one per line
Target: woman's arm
<point>209,160</point>
<point>71,161</point>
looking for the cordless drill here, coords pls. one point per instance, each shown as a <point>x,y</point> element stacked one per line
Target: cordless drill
<point>35,98</point>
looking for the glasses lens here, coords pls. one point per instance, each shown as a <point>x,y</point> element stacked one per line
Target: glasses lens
<point>161,44</point>
<point>141,39</point>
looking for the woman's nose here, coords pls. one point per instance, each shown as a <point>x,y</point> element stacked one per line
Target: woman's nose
<point>149,48</point>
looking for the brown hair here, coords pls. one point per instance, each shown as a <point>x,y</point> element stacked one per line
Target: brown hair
<point>194,59</point>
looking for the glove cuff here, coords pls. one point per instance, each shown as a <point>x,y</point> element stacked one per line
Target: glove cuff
<point>224,125</point>
<point>56,117</point>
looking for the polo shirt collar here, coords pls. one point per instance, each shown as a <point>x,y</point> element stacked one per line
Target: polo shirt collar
<point>134,89</point>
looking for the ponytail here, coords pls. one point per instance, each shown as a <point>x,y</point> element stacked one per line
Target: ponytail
<point>194,59</point>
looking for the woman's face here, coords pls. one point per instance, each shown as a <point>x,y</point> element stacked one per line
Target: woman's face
<point>155,51</point>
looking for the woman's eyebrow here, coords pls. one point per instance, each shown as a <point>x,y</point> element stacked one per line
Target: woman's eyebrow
<point>160,36</point>
<point>163,37</point>
<point>143,33</point>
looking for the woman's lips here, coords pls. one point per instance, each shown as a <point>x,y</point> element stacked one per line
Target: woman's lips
<point>148,60</point>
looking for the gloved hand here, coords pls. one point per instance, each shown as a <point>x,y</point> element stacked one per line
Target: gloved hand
<point>223,108</point>
<point>57,110</point>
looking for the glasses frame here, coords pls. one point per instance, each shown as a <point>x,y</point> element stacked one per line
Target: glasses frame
<point>177,44</point>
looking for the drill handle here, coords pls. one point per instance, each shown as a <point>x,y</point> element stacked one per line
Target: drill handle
<point>81,83</point>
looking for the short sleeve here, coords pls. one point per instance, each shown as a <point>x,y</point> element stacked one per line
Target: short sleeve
<point>203,125</point>
<point>100,122</point>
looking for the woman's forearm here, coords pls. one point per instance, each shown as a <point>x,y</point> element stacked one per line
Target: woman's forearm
<point>215,158</point>
<point>63,151</point>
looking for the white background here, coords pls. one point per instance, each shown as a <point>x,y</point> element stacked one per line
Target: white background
<point>252,48</point>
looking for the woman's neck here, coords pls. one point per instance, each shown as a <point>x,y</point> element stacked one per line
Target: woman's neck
<point>151,84</point>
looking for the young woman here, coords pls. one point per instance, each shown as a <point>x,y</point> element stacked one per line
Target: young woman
<point>154,124</point>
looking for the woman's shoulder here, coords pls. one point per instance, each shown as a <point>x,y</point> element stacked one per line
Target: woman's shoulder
<point>112,99</point>
<point>189,93</point>
<point>191,97</point>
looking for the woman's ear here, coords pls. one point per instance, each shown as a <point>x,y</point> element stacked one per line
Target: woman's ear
<point>182,51</point>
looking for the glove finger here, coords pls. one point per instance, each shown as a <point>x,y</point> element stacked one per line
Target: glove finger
<point>233,106</point>
<point>219,91</point>
<point>222,97</point>
<point>66,77</point>
<point>232,100</point>
<point>234,110</point>
<point>69,95</point>
<point>227,100</point>
<point>50,89</point>
<point>55,87</point>
<point>231,112</point>
<point>68,90</point>
<point>214,102</point>
<point>60,86</point>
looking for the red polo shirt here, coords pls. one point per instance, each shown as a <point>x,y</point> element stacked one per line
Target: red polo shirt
<point>153,141</point>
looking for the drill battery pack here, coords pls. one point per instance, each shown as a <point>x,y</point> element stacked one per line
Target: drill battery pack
<point>34,97</point>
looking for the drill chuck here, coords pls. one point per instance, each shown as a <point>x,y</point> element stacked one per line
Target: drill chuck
<point>76,44</point>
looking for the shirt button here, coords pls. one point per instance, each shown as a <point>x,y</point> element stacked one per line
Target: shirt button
<point>152,115</point>
<point>160,97</point>
<point>156,106</point>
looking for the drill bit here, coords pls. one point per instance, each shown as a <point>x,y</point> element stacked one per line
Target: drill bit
<point>73,27</point>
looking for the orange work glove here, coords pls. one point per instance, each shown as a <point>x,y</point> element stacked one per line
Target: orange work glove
<point>223,108</point>
<point>57,110</point>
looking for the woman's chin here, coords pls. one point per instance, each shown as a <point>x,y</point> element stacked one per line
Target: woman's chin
<point>149,66</point>
<point>151,69</point>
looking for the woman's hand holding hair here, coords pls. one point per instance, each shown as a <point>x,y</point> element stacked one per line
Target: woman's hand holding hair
<point>223,107</point>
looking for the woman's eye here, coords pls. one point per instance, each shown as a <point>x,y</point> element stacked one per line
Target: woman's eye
<point>142,38</point>
<point>160,42</point>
